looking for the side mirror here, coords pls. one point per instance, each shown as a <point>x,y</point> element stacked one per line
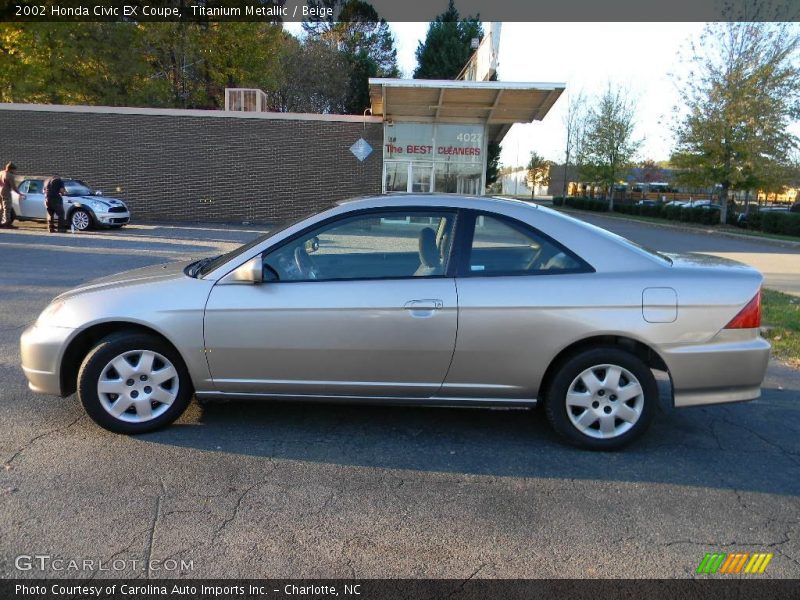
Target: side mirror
<point>312,245</point>
<point>250,272</point>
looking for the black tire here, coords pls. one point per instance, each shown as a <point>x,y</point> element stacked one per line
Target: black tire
<point>98,360</point>
<point>603,404</point>
<point>85,219</point>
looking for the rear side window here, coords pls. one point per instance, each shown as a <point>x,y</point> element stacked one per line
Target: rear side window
<point>507,247</point>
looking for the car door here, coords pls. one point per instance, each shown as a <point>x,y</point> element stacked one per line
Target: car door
<point>361,306</point>
<point>516,292</point>
<point>32,206</point>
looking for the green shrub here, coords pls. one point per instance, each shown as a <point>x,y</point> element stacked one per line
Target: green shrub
<point>673,212</point>
<point>586,204</point>
<point>656,210</point>
<point>780,222</point>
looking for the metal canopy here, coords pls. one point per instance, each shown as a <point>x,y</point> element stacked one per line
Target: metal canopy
<point>498,104</point>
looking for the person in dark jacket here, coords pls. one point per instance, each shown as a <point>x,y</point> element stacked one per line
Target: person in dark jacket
<point>53,189</point>
<point>7,185</point>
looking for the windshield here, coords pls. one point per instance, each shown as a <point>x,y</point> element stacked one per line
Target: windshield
<point>76,188</point>
<point>217,262</point>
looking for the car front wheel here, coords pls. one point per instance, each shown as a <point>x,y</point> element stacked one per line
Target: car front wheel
<point>133,383</point>
<point>81,220</point>
<point>602,399</point>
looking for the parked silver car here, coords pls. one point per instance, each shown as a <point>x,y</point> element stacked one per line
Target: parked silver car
<point>432,299</point>
<point>83,207</point>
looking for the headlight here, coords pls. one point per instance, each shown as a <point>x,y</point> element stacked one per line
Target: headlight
<point>98,206</point>
<point>49,313</point>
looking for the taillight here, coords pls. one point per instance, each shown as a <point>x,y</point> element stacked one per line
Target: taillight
<point>749,317</point>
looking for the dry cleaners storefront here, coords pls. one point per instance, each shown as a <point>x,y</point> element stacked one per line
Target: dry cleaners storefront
<point>436,133</point>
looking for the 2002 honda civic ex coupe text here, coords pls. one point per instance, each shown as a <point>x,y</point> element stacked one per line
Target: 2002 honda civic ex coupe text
<point>432,299</point>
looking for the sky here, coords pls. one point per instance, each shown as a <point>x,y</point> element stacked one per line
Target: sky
<point>639,57</point>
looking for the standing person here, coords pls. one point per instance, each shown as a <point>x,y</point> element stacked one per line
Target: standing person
<point>53,188</point>
<point>7,185</point>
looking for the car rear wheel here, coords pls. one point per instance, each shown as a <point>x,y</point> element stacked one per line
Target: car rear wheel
<point>602,399</point>
<point>133,383</point>
<point>81,220</point>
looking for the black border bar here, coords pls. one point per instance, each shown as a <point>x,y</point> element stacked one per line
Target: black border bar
<point>539,11</point>
<point>708,588</point>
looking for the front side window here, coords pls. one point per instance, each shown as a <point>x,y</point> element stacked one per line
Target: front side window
<point>32,186</point>
<point>376,245</point>
<point>500,247</point>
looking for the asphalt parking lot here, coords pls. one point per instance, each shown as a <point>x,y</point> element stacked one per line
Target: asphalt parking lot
<point>245,489</point>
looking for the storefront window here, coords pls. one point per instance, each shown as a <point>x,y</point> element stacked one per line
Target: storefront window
<point>449,156</point>
<point>458,178</point>
<point>396,176</point>
<point>459,143</point>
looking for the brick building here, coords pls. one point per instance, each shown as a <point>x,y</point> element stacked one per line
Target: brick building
<point>260,167</point>
<point>197,165</point>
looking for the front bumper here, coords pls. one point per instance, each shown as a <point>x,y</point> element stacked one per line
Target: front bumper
<point>728,369</point>
<point>107,219</point>
<point>41,349</point>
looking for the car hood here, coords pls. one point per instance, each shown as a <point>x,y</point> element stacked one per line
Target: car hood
<point>109,202</point>
<point>144,275</point>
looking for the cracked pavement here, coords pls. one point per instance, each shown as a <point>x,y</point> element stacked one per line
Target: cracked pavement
<point>248,489</point>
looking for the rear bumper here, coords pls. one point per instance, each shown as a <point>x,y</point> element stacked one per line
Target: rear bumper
<point>41,349</point>
<point>726,370</point>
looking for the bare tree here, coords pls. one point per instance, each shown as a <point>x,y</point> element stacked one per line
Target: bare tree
<point>315,79</point>
<point>574,122</point>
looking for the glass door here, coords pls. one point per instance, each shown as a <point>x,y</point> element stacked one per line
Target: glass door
<point>421,177</point>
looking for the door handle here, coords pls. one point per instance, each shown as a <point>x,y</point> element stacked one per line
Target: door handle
<point>427,304</point>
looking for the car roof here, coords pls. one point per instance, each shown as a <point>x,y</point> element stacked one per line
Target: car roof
<point>433,199</point>
<point>43,177</point>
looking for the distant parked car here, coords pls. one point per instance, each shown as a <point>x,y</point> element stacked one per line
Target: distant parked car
<point>83,207</point>
<point>647,203</point>
<point>741,220</point>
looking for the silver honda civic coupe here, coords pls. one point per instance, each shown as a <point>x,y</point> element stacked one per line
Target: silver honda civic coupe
<point>432,299</point>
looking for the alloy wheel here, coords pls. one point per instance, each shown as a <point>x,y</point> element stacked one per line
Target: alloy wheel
<point>81,220</point>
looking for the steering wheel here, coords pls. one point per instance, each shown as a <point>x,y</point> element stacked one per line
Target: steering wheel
<point>304,263</point>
